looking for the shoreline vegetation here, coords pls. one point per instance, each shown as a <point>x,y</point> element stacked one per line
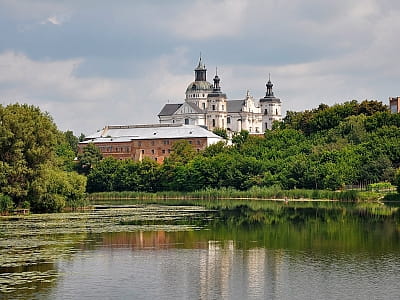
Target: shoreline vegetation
<point>254,193</point>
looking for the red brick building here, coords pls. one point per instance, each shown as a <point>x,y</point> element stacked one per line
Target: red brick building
<point>154,141</point>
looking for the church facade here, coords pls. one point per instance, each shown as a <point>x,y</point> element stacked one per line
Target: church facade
<point>206,105</point>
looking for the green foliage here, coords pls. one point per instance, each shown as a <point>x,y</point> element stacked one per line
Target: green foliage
<point>34,156</point>
<point>182,152</point>
<point>239,138</point>
<point>111,174</point>
<point>6,204</point>
<point>89,158</point>
<point>54,189</point>
<point>27,141</point>
<point>221,132</point>
<point>397,180</point>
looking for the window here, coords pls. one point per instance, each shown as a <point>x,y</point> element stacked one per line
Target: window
<point>186,121</point>
<point>163,151</point>
<point>166,142</point>
<point>169,150</point>
<point>266,125</point>
<point>152,143</point>
<point>198,142</point>
<point>152,151</point>
<point>204,106</point>
<point>276,111</point>
<point>142,151</point>
<point>213,122</point>
<point>213,107</point>
<point>223,107</point>
<point>139,144</point>
<point>265,111</point>
<point>223,123</point>
<point>228,120</point>
<point>190,142</point>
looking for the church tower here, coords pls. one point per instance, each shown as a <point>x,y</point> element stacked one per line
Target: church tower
<point>271,107</point>
<point>216,107</point>
<point>198,90</point>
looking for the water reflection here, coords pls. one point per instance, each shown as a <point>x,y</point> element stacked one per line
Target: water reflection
<point>241,253</point>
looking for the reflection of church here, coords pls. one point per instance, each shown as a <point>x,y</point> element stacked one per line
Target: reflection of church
<point>206,105</point>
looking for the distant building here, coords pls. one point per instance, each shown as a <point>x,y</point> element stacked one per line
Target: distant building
<point>394,105</point>
<point>206,105</point>
<point>153,141</point>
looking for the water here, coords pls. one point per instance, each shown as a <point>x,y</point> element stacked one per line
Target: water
<point>182,252</point>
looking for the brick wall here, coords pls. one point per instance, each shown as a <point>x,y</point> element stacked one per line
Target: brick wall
<point>156,149</point>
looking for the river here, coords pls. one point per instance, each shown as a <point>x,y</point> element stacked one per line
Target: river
<point>153,251</point>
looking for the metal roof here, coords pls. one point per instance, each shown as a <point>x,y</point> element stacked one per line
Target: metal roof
<point>196,108</point>
<point>233,106</point>
<point>169,109</point>
<point>126,133</point>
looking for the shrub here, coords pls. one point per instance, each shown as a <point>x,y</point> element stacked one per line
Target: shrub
<point>6,204</point>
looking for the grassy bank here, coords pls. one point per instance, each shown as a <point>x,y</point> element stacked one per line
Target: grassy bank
<point>253,193</point>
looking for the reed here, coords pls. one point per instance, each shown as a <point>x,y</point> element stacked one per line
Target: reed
<point>273,193</point>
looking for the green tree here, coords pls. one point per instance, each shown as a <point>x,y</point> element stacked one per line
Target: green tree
<point>397,180</point>
<point>72,141</point>
<point>54,189</point>
<point>27,141</point>
<point>182,152</point>
<point>89,158</point>
<point>221,132</point>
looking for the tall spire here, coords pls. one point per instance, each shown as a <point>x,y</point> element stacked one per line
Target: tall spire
<point>269,86</point>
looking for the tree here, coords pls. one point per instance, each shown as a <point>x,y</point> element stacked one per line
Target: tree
<point>72,140</point>
<point>397,180</point>
<point>54,189</point>
<point>182,152</point>
<point>239,138</point>
<point>221,132</point>
<point>27,140</point>
<point>89,157</point>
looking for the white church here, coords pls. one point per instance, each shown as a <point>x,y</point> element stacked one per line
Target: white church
<point>206,105</point>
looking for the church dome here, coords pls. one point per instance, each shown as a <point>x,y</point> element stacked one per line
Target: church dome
<point>199,86</point>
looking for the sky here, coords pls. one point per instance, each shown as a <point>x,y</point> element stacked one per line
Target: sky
<point>92,63</point>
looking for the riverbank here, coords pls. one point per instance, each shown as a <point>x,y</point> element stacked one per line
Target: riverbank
<point>255,193</point>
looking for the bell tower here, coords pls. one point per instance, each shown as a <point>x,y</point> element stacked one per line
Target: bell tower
<point>271,107</point>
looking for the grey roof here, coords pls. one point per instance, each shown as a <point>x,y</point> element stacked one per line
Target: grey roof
<point>169,109</point>
<point>196,108</point>
<point>233,106</point>
<point>199,86</point>
<point>270,99</point>
<point>126,133</point>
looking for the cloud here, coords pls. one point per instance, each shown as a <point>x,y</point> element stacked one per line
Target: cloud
<point>209,18</point>
<point>109,64</point>
<point>89,103</point>
<point>55,20</point>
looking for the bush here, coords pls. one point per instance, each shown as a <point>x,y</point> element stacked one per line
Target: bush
<point>6,204</point>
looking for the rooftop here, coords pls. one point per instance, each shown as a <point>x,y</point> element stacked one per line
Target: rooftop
<point>126,133</point>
